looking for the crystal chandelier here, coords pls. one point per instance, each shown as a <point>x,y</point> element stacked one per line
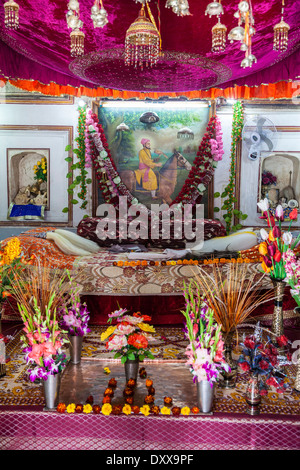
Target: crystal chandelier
<point>142,42</point>
<point>11,12</point>
<point>99,14</point>
<point>281,31</point>
<point>179,7</point>
<point>76,35</point>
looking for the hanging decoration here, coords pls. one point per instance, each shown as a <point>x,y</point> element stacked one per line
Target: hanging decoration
<point>214,9</point>
<point>112,186</point>
<point>229,191</point>
<point>244,34</point>
<point>142,41</point>
<point>99,14</point>
<point>76,35</point>
<point>82,155</point>
<point>179,7</point>
<point>11,12</point>
<point>218,37</point>
<point>281,31</point>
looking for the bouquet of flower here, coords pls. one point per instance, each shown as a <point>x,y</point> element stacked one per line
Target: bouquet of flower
<point>74,315</point>
<point>268,178</point>
<point>206,347</point>
<point>129,336</point>
<point>263,359</point>
<point>42,341</point>
<point>40,170</point>
<point>292,269</point>
<point>276,242</point>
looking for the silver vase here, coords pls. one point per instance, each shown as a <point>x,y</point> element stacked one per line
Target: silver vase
<point>297,378</point>
<point>51,391</point>
<point>205,396</point>
<point>75,348</point>
<point>131,369</point>
<point>253,397</point>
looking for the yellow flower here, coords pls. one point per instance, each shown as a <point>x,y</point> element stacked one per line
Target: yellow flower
<point>107,370</point>
<point>38,163</point>
<point>71,408</point>
<point>108,332</point>
<point>12,250</point>
<point>44,171</point>
<point>87,408</point>
<point>145,410</point>
<point>106,409</point>
<point>165,410</point>
<point>126,409</point>
<point>146,327</point>
<point>185,411</point>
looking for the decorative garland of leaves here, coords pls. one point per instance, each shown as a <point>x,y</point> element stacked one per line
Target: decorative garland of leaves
<point>80,152</point>
<point>228,204</point>
<point>199,176</point>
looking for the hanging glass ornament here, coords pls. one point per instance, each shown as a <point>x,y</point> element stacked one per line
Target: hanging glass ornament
<point>99,14</point>
<point>281,32</point>
<point>77,43</point>
<point>236,34</point>
<point>11,14</point>
<point>214,9</point>
<point>218,37</point>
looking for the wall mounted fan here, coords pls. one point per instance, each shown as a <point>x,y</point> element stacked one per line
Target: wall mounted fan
<point>259,134</point>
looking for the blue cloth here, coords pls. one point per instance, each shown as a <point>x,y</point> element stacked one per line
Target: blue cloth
<point>28,209</point>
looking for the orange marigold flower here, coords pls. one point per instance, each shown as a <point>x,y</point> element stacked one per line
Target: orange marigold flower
<point>144,263</point>
<point>149,383</point>
<point>137,341</point>
<point>176,410</point>
<point>195,410</point>
<point>96,409</point>
<point>149,399</point>
<point>135,409</point>
<point>61,407</point>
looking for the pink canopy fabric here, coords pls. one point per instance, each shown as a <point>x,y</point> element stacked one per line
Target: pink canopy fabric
<point>40,48</point>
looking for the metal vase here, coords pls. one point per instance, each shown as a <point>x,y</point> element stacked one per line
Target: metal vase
<point>277,323</point>
<point>253,397</point>
<point>297,378</point>
<point>205,396</point>
<point>51,391</point>
<point>131,369</point>
<point>75,348</point>
<point>229,377</point>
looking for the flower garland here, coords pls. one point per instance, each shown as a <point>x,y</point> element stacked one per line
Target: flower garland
<point>82,163</point>
<point>180,262</point>
<point>228,205</point>
<point>111,185</point>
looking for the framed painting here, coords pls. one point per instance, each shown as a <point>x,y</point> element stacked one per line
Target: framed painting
<point>145,137</point>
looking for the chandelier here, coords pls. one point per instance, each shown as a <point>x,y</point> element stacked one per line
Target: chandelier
<point>142,41</point>
<point>281,31</point>
<point>76,35</point>
<point>218,37</point>
<point>11,14</point>
<point>99,14</point>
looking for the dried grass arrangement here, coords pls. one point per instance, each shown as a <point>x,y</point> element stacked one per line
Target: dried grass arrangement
<point>37,284</point>
<point>235,297</point>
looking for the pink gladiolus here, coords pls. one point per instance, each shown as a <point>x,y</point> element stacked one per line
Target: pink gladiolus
<point>36,353</point>
<point>48,349</point>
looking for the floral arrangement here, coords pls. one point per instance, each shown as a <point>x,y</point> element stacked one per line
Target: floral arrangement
<point>42,341</point>
<point>262,359</point>
<point>275,242</point>
<point>180,262</point>
<point>292,270</point>
<point>267,178</point>
<point>206,347</point>
<point>40,170</point>
<point>110,183</point>
<point>129,336</point>
<point>11,259</point>
<point>74,315</point>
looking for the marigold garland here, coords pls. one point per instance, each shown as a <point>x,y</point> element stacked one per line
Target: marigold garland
<point>179,262</point>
